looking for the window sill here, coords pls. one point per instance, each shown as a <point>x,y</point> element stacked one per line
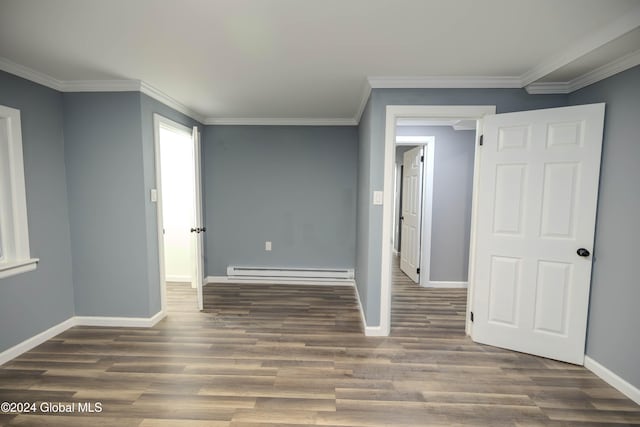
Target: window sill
<point>17,267</point>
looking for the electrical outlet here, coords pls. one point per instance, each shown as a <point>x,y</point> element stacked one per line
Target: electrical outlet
<point>267,246</point>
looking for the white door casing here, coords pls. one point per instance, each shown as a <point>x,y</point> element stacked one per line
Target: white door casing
<point>537,196</point>
<point>411,213</point>
<point>198,236</point>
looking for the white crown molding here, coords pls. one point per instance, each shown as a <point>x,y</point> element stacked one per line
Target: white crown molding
<point>158,95</point>
<point>446,82</point>
<point>547,88</point>
<point>30,74</point>
<point>267,121</point>
<point>607,70</point>
<point>101,86</point>
<point>614,67</point>
<point>629,22</point>
<point>96,86</point>
<point>366,93</point>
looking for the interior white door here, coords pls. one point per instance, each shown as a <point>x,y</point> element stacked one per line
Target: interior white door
<point>411,213</point>
<point>537,196</point>
<point>198,229</point>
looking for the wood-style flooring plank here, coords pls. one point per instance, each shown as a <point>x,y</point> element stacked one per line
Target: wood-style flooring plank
<point>285,355</point>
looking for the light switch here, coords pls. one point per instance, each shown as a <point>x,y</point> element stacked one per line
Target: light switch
<point>154,195</point>
<point>267,246</point>
<point>377,197</point>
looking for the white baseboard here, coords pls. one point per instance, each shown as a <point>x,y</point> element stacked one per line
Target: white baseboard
<point>629,390</point>
<point>369,331</point>
<point>35,340</point>
<point>120,322</point>
<point>171,278</point>
<point>278,281</point>
<point>443,284</point>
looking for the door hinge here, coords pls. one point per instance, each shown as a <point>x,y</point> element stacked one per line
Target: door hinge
<point>481,139</point>
<point>422,158</point>
<point>472,316</point>
<point>418,271</point>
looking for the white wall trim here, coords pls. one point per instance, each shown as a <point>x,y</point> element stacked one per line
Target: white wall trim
<point>545,88</point>
<point>446,284</point>
<point>273,121</point>
<point>613,379</point>
<point>427,212</point>
<point>607,70</point>
<point>18,267</point>
<point>158,95</point>
<point>277,281</point>
<point>96,86</point>
<point>369,331</point>
<point>124,322</point>
<point>35,340</point>
<point>445,82</point>
<point>30,74</point>
<point>614,67</point>
<point>366,93</point>
<point>393,112</point>
<point>413,140</point>
<point>628,22</point>
<point>101,86</point>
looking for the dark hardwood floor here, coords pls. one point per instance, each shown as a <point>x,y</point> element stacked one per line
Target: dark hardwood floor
<point>266,355</point>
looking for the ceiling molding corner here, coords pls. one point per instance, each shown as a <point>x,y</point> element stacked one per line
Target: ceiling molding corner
<point>29,74</point>
<point>272,121</point>
<point>445,82</point>
<point>158,95</point>
<point>548,88</point>
<point>629,22</point>
<point>366,93</point>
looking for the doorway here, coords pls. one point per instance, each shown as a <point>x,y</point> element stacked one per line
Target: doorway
<point>535,188</point>
<point>408,114</point>
<point>178,198</point>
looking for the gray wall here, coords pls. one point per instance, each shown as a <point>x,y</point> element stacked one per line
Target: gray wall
<point>149,106</point>
<point>107,197</point>
<point>372,149</point>
<point>292,185</point>
<point>452,191</point>
<point>110,156</point>
<point>33,302</point>
<point>613,338</point>
<point>364,198</point>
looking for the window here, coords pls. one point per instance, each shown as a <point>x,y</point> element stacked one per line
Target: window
<point>14,235</point>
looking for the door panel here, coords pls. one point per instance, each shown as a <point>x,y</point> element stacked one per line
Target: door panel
<point>198,236</point>
<point>411,213</point>
<point>538,185</point>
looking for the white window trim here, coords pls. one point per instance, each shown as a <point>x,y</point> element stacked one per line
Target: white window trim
<point>15,230</point>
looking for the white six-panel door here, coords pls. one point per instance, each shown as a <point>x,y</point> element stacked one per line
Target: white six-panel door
<point>411,213</point>
<point>538,186</point>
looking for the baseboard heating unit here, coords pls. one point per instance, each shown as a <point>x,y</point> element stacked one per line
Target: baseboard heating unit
<point>301,274</point>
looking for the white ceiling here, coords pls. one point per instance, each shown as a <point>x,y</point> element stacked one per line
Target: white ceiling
<point>308,59</point>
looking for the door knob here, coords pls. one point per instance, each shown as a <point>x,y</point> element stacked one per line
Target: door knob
<point>195,230</point>
<point>583,252</point>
